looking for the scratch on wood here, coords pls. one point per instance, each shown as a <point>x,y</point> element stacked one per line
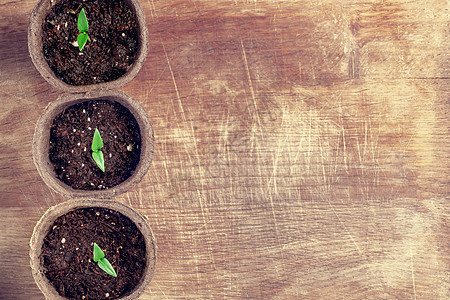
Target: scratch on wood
<point>153,8</point>
<point>328,186</point>
<point>310,133</point>
<point>250,83</point>
<point>412,274</point>
<point>162,291</point>
<point>345,228</point>
<point>166,171</point>
<point>139,196</point>
<point>224,139</point>
<point>174,83</point>
<point>344,142</point>
<point>129,199</point>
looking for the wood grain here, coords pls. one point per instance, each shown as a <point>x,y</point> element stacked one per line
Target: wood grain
<point>301,149</point>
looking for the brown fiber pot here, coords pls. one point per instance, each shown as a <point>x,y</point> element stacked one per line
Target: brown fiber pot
<point>37,17</point>
<point>41,143</point>
<point>43,226</point>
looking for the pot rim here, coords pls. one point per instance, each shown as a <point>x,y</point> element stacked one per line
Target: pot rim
<point>43,226</point>
<point>41,143</point>
<point>37,16</point>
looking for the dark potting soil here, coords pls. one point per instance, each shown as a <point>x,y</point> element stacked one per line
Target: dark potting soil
<point>67,254</point>
<point>109,54</point>
<point>71,138</point>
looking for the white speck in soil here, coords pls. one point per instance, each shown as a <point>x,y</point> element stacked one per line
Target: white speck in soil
<point>82,165</point>
<point>89,128</point>
<point>110,155</point>
<point>65,24</point>
<point>74,130</point>
<point>97,213</point>
<point>84,111</point>
<point>71,150</point>
<point>63,240</point>
<point>78,144</point>
<point>107,295</point>
<point>77,248</point>
<point>106,217</point>
<point>84,149</point>
<point>89,119</point>
<point>81,53</point>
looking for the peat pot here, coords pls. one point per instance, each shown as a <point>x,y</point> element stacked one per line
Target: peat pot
<point>114,54</point>
<point>63,138</point>
<point>62,243</point>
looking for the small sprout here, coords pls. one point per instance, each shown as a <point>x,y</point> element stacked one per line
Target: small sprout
<point>83,27</point>
<point>97,154</point>
<point>103,263</point>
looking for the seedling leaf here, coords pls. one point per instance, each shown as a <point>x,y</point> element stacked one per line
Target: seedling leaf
<point>103,263</point>
<point>99,159</point>
<point>82,23</point>
<point>82,40</point>
<point>98,253</point>
<point>97,142</point>
<point>106,266</point>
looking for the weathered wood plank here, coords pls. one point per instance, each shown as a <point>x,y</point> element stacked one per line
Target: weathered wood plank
<point>301,149</point>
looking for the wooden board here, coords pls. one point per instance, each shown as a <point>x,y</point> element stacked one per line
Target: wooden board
<point>301,149</point>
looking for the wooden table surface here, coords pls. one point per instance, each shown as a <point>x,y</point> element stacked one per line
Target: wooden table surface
<point>301,149</point>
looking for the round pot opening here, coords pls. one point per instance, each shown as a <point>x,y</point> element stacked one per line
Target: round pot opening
<point>46,244</point>
<point>35,47</point>
<point>72,171</point>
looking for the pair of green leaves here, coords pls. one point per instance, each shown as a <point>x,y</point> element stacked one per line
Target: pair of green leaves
<point>103,263</point>
<point>83,27</point>
<point>97,154</point>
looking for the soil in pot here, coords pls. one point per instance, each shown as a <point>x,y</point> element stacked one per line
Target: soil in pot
<point>109,54</point>
<point>71,137</point>
<point>67,254</point>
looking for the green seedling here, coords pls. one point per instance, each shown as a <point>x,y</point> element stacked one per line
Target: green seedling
<point>97,154</point>
<point>103,263</point>
<point>83,27</point>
